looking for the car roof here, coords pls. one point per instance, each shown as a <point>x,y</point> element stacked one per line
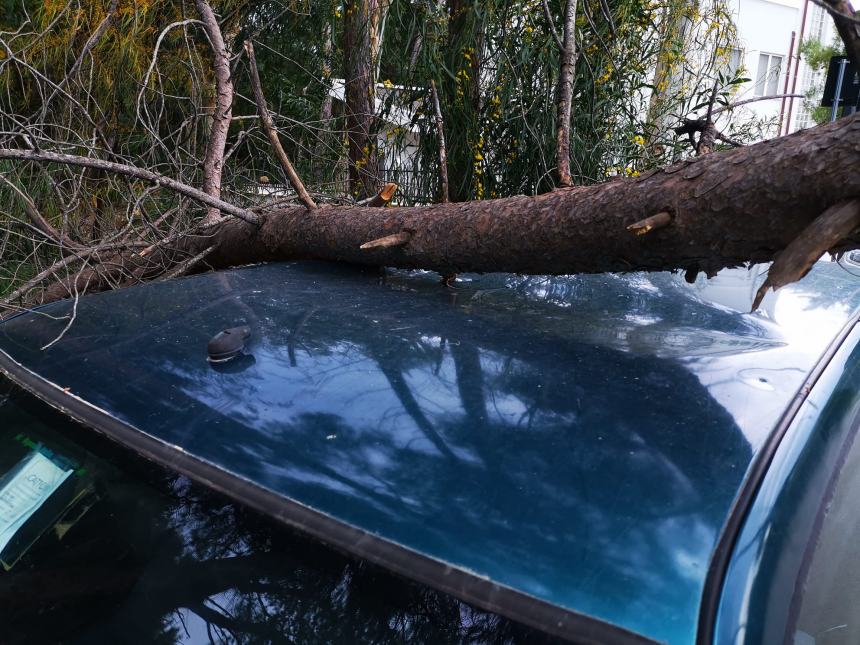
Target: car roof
<point>564,450</point>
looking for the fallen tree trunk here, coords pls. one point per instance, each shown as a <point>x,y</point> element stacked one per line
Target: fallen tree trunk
<point>726,208</point>
<point>722,209</point>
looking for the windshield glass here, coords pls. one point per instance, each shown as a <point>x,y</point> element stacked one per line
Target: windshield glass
<point>98,546</point>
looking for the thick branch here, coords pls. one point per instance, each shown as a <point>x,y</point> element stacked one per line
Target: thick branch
<point>653,223</point>
<point>387,242</point>
<point>213,163</point>
<point>272,133</point>
<point>130,171</point>
<point>847,27</point>
<point>727,208</point>
<point>382,198</point>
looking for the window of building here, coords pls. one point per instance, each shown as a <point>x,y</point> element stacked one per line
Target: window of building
<point>735,62</point>
<point>816,26</point>
<point>767,78</point>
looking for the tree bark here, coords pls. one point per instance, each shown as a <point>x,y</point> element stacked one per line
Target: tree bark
<point>443,154</point>
<point>461,97</point>
<point>213,163</point>
<point>727,209</point>
<point>359,45</point>
<point>564,95</point>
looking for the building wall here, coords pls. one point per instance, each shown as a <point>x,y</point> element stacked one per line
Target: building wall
<point>765,31</point>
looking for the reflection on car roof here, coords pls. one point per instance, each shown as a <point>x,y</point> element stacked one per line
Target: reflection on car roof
<point>577,441</point>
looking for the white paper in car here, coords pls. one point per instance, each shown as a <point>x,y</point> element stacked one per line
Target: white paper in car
<point>22,495</point>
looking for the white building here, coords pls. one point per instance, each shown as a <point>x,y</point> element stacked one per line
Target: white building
<point>770,33</point>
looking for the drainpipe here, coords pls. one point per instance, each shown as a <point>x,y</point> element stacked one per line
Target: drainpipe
<point>796,66</point>
<point>785,85</point>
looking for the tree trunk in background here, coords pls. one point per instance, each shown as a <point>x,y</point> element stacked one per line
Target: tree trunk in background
<point>461,98</point>
<point>564,95</point>
<point>360,42</point>
<point>673,25</point>
<point>222,113</point>
<point>849,30</point>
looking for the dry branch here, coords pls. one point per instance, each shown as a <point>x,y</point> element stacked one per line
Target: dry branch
<point>92,41</point>
<point>645,226</point>
<point>43,156</point>
<point>272,133</point>
<point>38,220</point>
<point>213,162</point>
<point>186,265</point>
<point>51,271</point>
<point>755,99</point>
<point>380,199</point>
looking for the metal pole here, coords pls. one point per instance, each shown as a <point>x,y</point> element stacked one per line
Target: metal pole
<point>785,86</point>
<point>796,67</point>
<point>838,94</point>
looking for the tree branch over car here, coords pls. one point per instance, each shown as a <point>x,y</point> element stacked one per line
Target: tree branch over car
<point>788,199</point>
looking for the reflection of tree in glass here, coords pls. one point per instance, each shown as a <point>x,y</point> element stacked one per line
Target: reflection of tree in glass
<point>160,560</point>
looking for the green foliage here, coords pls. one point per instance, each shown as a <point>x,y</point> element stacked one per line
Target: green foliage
<point>817,55</point>
<point>642,66</point>
<point>496,65</point>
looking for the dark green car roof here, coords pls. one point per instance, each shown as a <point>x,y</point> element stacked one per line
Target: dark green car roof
<point>561,450</point>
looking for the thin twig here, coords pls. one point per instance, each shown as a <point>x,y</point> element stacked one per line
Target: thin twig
<point>69,324</point>
<point>130,171</point>
<point>754,99</point>
<point>185,266</point>
<point>552,29</point>
<point>269,128</point>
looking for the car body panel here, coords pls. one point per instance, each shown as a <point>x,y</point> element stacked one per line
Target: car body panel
<point>766,575</point>
<point>578,440</point>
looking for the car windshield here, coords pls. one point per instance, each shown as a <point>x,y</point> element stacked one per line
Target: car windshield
<point>114,549</point>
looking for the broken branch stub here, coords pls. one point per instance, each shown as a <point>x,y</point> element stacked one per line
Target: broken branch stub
<point>826,231</point>
<point>398,239</point>
<point>382,198</point>
<point>658,220</point>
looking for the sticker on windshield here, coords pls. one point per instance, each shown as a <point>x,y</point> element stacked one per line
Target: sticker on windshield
<point>25,489</point>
